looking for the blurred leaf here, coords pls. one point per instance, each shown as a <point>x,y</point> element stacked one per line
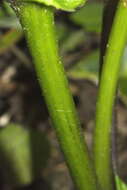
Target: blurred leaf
<point>72,41</point>
<point>123,85</point>
<point>90,62</point>
<point>10,22</point>
<point>82,75</point>
<point>7,8</point>
<point>23,153</point>
<point>87,67</point>
<point>8,18</point>
<point>62,31</point>
<point>120,185</point>
<point>123,77</point>
<point>1,13</point>
<point>124,63</point>
<point>89,17</point>
<point>9,39</point>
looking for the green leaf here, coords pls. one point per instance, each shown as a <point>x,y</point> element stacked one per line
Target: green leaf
<point>9,22</point>
<point>23,153</point>
<point>1,13</point>
<point>72,41</point>
<point>123,77</point>
<point>124,63</point>
<point>61,31</point>
<point>9,39</point>
<point>8,18</point>
<point>86,68</point>
<point>89,17</point>
<point>123,85</point>
<point>66,5</point>
<point>7,9</point>
<point>120,185</point>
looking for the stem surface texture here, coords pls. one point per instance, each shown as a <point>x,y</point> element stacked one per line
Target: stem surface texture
<point>38,25</point>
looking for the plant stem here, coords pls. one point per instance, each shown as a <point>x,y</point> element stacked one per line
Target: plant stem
<point>106,97</point>
<point>38,24</point>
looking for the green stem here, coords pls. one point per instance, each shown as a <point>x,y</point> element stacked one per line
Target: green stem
<point>106,97</point>
<point>38,24</point>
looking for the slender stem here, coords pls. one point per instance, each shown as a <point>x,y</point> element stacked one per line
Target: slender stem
<point>106,97</point>
<point>38,24</point>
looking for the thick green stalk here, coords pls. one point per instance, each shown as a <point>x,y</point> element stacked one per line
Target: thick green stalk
<point>106,97</point>
<point>38,24</point>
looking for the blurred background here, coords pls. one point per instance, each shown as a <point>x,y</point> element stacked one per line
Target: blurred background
<point>23,106</point>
